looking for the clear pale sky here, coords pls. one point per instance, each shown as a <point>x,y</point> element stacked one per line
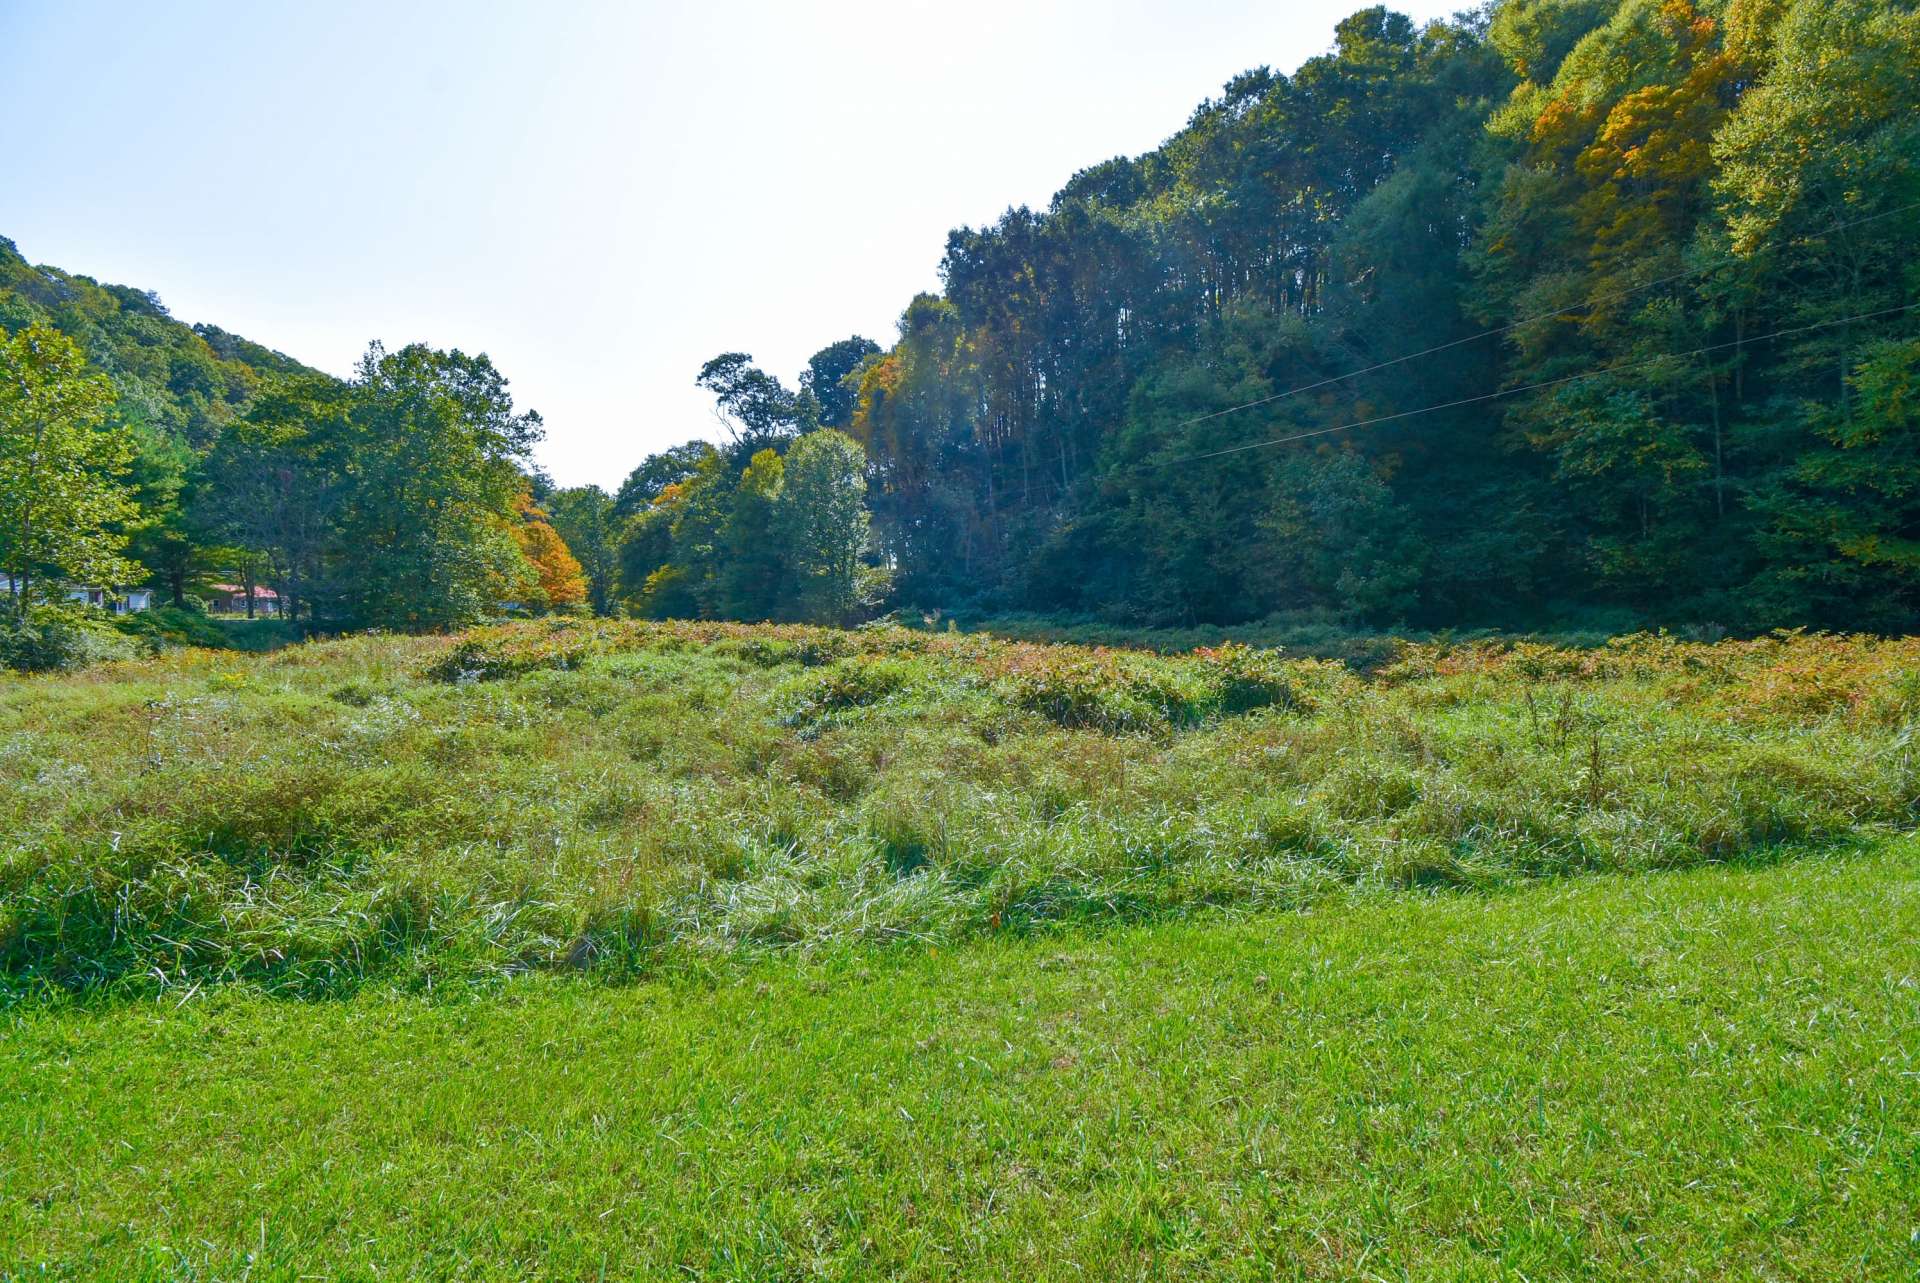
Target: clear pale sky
<point>599,195</point>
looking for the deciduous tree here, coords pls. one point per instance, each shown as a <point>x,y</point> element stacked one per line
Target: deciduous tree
<point>61,496</point>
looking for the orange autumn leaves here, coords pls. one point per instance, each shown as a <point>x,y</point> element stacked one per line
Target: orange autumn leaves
<point>1642,151</point>
<point>553,577</point>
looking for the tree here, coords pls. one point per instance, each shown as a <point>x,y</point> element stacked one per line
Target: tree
<point>913,418</point>
<point>433,448</point>
<point>673,555</point>
<point>584,518</point>
<point>1831,132</point>
<point>177,390</point>
<point>645,544</point>
<point>656,472</point>
<point>273,490</point>
<point>1450,326</point>
<point>1843,524</point>
<point>752,582</point>
<point>60,466</point>
<point>1556,306</point>
<point>161,537</point>
<point>754,407</point>
<point>556,581</point>
<point>781,539</point>
<point>822,524</point>
<point>831,377</point>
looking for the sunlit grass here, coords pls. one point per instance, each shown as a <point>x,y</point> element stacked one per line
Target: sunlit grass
<point>625,799</point>
<point>1700,1075</point>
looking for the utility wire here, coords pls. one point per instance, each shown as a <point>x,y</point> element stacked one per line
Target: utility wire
<point>1529,320</point>
<point>1534,387</point>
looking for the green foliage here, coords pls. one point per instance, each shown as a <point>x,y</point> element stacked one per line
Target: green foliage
<point>175,390</point>
<point>422,535</point>
<point>1606,186</point>
<point>43,639</point>
<point>174,626</point>
<point>1841,523</point>
<point>757,408</point>
<point>1647,260</point>
<point>388,501</point>
<point>646,483</point>
<point>832,378</point>
<point>752,579</point>
<point>821,525</point>
<point>784,538</point>
<point>60,468</point>
<point>274,485</point>
<point>183,383</point>
<point>585,518</point>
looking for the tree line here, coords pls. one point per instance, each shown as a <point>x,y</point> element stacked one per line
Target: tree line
<point>1656,258</point>
<point>1715,202</point>
<point>405,497</point>
<point>395,498</point>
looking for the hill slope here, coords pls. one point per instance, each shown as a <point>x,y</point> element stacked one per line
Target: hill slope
<point>183,382</point>
<point>1555,310</point>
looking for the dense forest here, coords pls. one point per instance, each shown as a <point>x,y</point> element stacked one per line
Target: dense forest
<point>1560,310</point>
<point>1656,260</point>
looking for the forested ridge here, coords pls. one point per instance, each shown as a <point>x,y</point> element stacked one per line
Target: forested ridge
<point>1559,311</point>
<point>173,388</point>
<point>1694,197</point>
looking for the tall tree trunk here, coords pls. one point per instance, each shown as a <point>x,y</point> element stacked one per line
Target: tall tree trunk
<point>1719,457</point>
<point>1739,360</point>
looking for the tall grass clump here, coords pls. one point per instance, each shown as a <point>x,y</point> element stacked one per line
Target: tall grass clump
<point>619,797</point>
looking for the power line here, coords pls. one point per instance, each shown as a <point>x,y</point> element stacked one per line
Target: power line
<point>1514,325</point>
<point>1534,387</point>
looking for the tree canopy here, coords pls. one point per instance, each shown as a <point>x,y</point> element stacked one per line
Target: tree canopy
<point>60,467</point>
<point>1656,253</point>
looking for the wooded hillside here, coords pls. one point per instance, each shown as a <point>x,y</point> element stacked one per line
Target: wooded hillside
<point>1563,308</point>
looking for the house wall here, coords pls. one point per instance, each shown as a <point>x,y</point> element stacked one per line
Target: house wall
<point>129,602</point>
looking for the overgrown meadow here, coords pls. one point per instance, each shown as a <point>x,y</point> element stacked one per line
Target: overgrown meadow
<point>625,798</point>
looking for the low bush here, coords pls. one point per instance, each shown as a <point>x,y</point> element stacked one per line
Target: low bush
<point>46,639</point>
<point>173,626</point>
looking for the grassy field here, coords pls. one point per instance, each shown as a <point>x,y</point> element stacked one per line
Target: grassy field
<point>628,798</point>
<point>576,950</point>
<point>1696,1075</point>
<point>1317,638</point>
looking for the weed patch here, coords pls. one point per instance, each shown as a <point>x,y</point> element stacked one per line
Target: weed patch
<point>622,797</point>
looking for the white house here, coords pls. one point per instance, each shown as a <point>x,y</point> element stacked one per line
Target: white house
<point>120,601</point>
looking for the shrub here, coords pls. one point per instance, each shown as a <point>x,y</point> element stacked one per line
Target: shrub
<point>173,626</point>
<point>56,638</point>
<point>1249,678</point>
<point>843,684</point>
<point>1106,690</point>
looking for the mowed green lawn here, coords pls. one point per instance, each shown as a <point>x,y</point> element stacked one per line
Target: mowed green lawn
<point>1703,1074</point>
